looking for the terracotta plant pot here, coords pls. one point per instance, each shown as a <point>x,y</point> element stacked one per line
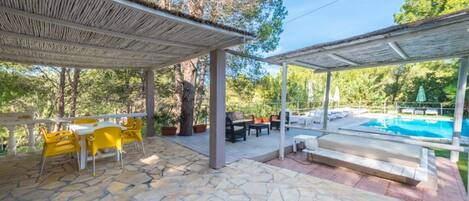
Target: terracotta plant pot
<point>258,120</point>
<point>168,131</point>
<point>265,119</point>
<point>200,128</point>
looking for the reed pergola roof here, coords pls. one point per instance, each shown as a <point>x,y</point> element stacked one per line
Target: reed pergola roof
<point>441,37</point>
<point>106,34</point>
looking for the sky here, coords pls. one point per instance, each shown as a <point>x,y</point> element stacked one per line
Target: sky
<point>337,19</point>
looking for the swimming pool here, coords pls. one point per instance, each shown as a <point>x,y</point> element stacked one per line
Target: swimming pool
<point>417,127</point>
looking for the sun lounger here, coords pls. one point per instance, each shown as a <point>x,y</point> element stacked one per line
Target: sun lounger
<point>396,161</point>
<point>408,111</point>
<point>431,111</point>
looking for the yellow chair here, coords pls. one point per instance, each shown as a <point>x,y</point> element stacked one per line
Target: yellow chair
<point>58,143</point>
<point>85,121</point>
<point>133,133</point>
<point>105,138</point>
<point>129,123</point>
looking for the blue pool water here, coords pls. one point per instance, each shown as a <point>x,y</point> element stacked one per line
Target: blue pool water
<point>430,128</point>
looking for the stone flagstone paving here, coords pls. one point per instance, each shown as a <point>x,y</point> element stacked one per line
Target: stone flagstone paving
<point>450,185</point>
<point>167,172</point>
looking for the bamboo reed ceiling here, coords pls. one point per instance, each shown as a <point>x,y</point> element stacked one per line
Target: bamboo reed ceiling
<point>106,34</point>
<point>431,39</point>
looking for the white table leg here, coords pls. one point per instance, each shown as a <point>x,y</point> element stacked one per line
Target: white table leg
<point>83,153</point>
<point>118,156</point>
<point>294,146</point>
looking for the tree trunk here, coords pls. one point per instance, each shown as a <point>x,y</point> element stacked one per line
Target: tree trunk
<point>61,109</point>
<point>76,79</point>
<point>200,90</point>
<point>187,99</point>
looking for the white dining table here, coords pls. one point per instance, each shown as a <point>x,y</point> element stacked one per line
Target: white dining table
<point>82,130</point>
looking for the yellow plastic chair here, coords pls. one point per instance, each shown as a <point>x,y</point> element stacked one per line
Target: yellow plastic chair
<point>58,143</point>
<point>85,121</point>
<point>133,134</point>
<point>129,123</point>
<point>105,138</point>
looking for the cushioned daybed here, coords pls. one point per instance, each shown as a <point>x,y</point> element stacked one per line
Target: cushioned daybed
<point>392,160</point>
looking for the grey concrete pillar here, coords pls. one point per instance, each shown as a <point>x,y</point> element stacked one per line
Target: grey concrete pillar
<point>283,111</point>
<point>217,108</point>
<point>326,100</point>
<point>150,101</point>
<point>459,106</point>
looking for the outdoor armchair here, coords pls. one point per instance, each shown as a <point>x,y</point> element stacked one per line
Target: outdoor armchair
<point>133,134</point>
<point>275,120</point>
<point>105,138</point>
<point>234,133</point>
<point>58,143</point>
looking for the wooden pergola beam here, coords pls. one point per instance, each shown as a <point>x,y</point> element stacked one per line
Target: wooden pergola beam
<point>307,64</point>
<point>410,60</point>
<point>398,50</point>
<point>82,45</point>
<point>240,54</point>
<point>70,55</point>
<point>342,59</point>
<point>98,30</point>
<point>65,63</point>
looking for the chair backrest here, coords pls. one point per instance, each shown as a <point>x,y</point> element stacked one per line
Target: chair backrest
<point>85,121</point>
<point>287,116</point>
<point>108,137</point>
<point>235,115</point>
<point>43,132</point>
<point>137,124</point>
<point>229,125</point>
<point>129,123</point>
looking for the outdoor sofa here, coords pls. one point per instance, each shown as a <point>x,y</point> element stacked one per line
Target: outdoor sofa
<point>234,133</point>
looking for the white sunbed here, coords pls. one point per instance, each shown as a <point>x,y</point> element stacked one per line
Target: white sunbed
<point>408,110</point>
<point>431,111</point>
<point>396,161</point>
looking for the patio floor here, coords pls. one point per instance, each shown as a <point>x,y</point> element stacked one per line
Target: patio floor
<point>450,185</point>
<point>167,172</point>
<point>253,148</point>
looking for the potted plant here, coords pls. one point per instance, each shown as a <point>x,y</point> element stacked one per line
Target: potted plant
<point>166,121</point>
<point>201,116</point>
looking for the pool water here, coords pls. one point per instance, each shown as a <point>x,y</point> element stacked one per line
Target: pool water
<point>417,127</point>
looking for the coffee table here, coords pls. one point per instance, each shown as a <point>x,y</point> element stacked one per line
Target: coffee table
<point>258,128</point>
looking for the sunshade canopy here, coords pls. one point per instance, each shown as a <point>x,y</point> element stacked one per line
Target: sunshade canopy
<point>106,34</point>
<point>421,95</point>
<point>442,37</point>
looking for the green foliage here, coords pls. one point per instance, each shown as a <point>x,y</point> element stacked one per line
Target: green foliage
<point>413,10</point>
<point>165,118</point>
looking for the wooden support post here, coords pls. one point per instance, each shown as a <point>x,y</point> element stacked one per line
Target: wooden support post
<point>31,137</point>
<point>11,140</point>
<point>283,100</point>
<point>217,108</point>
<point>326,100</point>
<point>150,101</point>
<point>459,106</point>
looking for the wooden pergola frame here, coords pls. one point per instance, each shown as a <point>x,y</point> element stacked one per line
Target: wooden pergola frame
<point>118,34</point>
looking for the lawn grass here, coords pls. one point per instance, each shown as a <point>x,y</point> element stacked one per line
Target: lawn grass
<point>462,164</point>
